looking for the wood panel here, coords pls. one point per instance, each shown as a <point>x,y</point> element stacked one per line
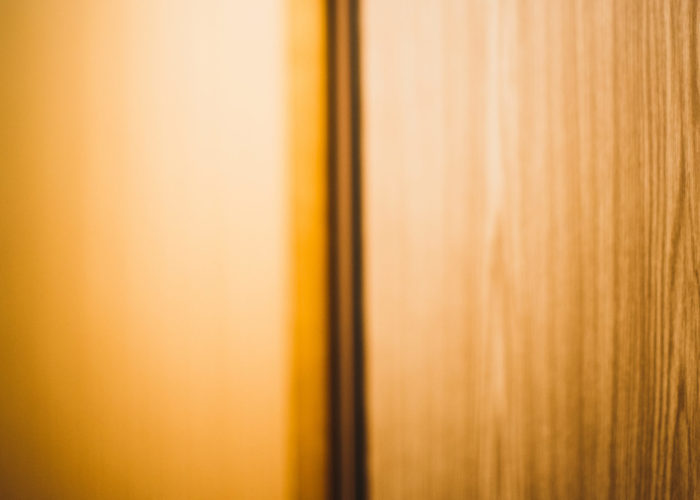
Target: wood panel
<point>532,211</point>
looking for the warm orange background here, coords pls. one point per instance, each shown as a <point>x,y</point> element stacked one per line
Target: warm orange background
<point>147,233</point>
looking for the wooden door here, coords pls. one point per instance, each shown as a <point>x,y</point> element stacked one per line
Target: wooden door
<point>532,204</point>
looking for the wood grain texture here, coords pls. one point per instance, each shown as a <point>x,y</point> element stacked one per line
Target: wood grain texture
<point>532,230</point>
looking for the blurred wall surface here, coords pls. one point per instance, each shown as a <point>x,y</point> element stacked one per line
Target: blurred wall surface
<point>143,249</point>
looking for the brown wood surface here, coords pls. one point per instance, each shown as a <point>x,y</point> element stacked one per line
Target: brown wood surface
<point>532,215</point>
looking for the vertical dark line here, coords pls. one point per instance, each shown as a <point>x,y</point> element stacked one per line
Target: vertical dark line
<point>348,476</point>
<point>357,252</point>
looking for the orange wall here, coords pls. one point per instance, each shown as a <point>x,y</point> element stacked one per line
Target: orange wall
<point>146,255</point>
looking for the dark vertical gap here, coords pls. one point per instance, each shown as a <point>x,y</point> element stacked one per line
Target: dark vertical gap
<point>357,252</point>
<point>347,440</point>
